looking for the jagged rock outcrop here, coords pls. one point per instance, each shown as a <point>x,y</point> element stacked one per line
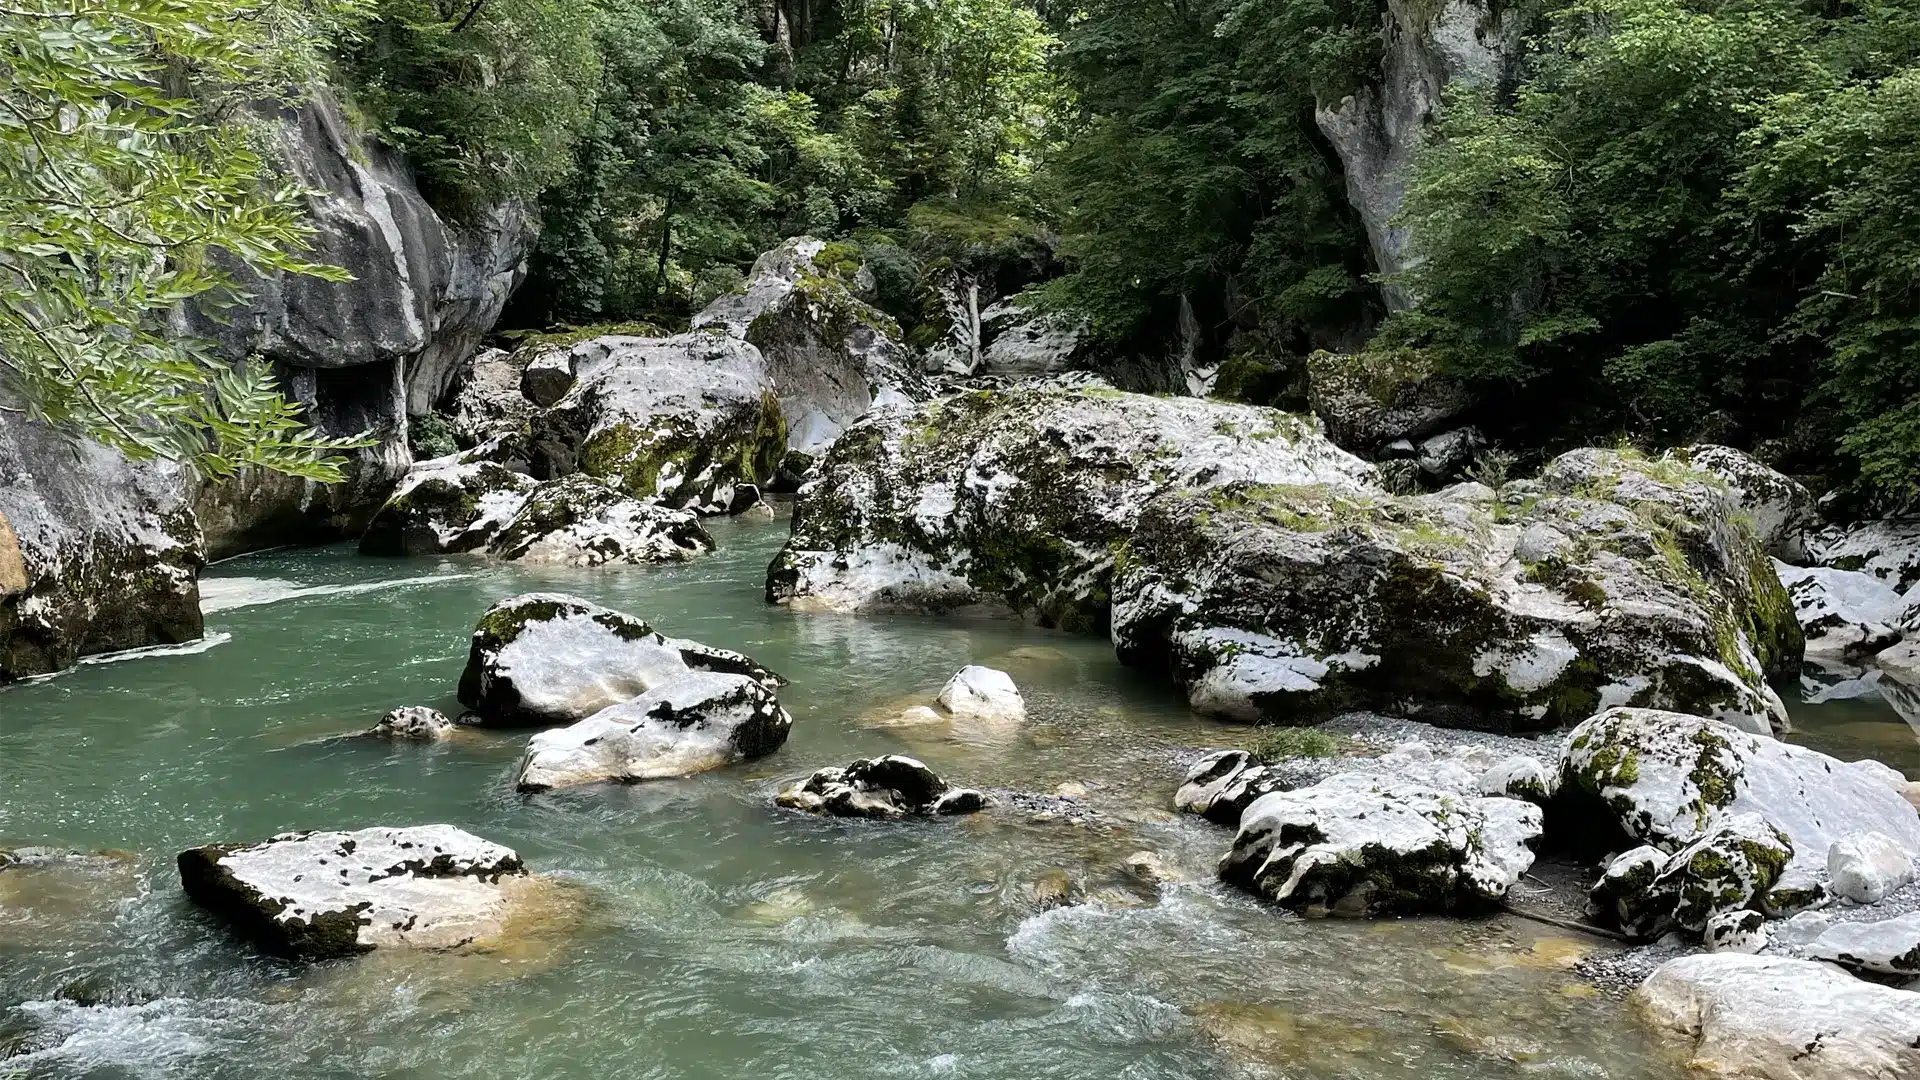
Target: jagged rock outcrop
<point>1015,500</point>
<point>1780,507</point>
<point>1773,1018</point>
<point>579,521</point>
<point>1376,129</point>
<point>890,787</point>
<point>542,659</point>
<point>1610,579</point>
<point>321,895</point>
<point>97,553</point>
<point>1221,785</point>
<point>694,723</point>
<point>366,354</point>
<point>1019,340</point>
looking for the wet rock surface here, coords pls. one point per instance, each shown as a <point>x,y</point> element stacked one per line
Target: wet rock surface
<point>320,895</point>
<point>413,723</point>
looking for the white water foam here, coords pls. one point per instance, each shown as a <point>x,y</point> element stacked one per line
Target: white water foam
<point>231,593</point>
<point>154,1039</point>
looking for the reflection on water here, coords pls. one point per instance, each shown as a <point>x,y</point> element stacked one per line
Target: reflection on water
<point>1856,712</point>
<point>696,931</point>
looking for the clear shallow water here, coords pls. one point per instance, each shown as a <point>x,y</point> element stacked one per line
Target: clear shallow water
<point>699,932</point>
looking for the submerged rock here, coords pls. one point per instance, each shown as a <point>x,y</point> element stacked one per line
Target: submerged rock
<point>1773,1018</point>
<point>892,786</point>
<point>413,722</point>
<point>319,895</point>
<point>1844,613</point>
<point>1611,579</point>
<point>677,419</point>
<point>579,521</point>
<point>1358,844</point>
<point>445,505</point>
<point>1015,500</point>
<point>983,693</point>
<point>695,723</point>
<point>542,659</point>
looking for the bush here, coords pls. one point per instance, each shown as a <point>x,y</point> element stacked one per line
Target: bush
<point>1276,743</point>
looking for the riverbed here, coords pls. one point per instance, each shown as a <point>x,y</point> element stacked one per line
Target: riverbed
<point>695,930</point>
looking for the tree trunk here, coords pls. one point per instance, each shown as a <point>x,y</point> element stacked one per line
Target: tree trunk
<point>666,246</point>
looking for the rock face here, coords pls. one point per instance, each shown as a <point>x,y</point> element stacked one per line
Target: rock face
<point>1358,844</point>
<point>368,353</point>
<point>319,895</point>
<point>889,787</point>
<point>1772,1018</point>
<point>97,554</point>
<point>415,723</point>
<point>1373,399</point>
<point>1845,614</point>
<point>1731,820</point>
<point>1610,579</point>
<point>446,505</point>
<point>982,693</point>
<point>1022,341</point>
<point>828,353</point>
<point>1016,500</point>
<point>579,521</point>
<point>680,420</point>
<point>542,659</point>
<point>1376,129</point>
<point>694,723</point>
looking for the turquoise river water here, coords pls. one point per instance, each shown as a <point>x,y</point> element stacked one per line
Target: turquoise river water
<point>697,931</point>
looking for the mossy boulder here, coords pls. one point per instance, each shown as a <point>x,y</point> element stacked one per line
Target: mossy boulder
<point>1015,500</point>
<point>580,521</point>
<point>1376,397</point>
<point>541,659</point>
<point>1610,579</point>
<point>446,505</point>
<point>1360,844</point>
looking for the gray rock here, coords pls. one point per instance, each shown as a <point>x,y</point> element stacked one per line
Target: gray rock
<point>1015,500</point>
<point>1624,895</point>
<point>1220,786</point>
<point>1377,399</point>
<point>1781,508</point>
<point>579,521</point>
<point>1445,454</point>
<point>1888,946</point>
<point>695,723</point>
<point>416,723</point>
<point>548,376</point>
<point>445,505</point>
<point>670,419</point>
<point>321,895</point>
<point>1844,613</point>
<point>1901,662</point>
<point>983,693</point>
<point>1667,779</point>
<point>97,554</point>
<point>1289,600</point>
<point>1741,931</point>
<point>1359,844</point>
<point>890,787</point>
<point>1023,341</point>
<point>542,659</point>
<point>1727,869</point>
<point>1376,129</point>
<point>489,402</point>
<point>1865,866</point>
<point>1774,1018</point>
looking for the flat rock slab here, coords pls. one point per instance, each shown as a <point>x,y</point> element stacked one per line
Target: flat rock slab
<point>1772,1018</point>
<point>319,895</point>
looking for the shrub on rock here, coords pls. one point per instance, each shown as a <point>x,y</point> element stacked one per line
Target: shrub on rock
<point>694,723</point>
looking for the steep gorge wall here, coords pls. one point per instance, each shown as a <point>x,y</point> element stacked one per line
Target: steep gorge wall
<point>1376,130</point>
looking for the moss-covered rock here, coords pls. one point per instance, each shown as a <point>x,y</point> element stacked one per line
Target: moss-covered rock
<point>1016,499</point>
<point>1612,579</point>
<point>580,521</point>
<point>1380,396</point>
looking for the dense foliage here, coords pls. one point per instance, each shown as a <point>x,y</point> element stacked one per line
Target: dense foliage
<point>121,196</point>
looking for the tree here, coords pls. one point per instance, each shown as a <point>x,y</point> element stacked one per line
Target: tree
<point>128,188</point>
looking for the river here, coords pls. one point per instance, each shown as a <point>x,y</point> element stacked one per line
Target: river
<point>699,932</point>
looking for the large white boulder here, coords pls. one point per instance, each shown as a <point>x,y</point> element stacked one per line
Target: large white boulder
<point>695,723</point>
<point>1844,613</point>
<point>317,895</point>
<point>983,693</point>
<point>1360,844</point>
<point>1865,866</point>
<point>541,659</point>
<point>579,521</point>
<point>1610,579</point>
<point>1773,1018</point>
<point>448,504</point>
